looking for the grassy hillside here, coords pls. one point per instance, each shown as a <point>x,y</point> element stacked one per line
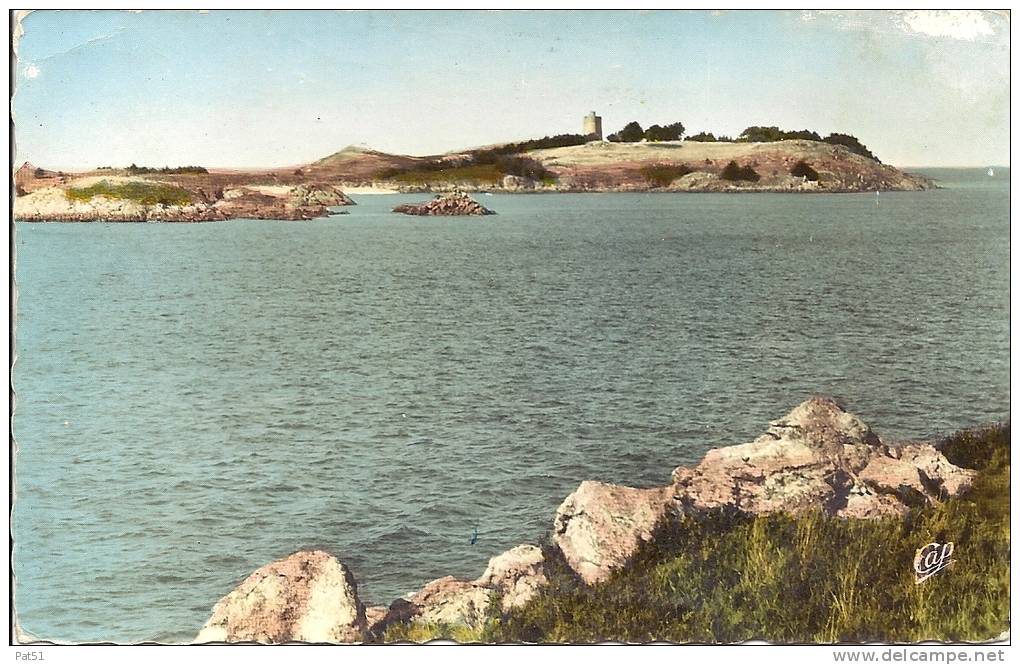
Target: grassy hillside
<point>725,578</point>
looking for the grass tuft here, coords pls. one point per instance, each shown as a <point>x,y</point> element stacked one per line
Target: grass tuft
<point>481,174</point>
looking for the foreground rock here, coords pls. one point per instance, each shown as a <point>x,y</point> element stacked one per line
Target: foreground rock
<point>516,575</point>
<point>306,597</point>
<point>455,203</point>
<point>819,457</point>
<point>446,601</point>
<point>600,526</point>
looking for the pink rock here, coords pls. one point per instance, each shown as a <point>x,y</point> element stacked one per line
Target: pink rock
<point>516,574</point>
<point>601,526</point>
<point>819,456</point>
<point>306,597</point>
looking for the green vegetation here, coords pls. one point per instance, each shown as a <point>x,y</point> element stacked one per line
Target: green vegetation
<point>486,174</point>
<point>146,193</point>
<point>668,133</point>
<point>483,166</point>
<point>704,137</point>
<point>728,578</point>
<point>632,133</point>
<point>142,170</point>
<point>803,170</point>
<point>425,632</point>
<point>852,144</point>
<point>558,141</point>
<point>487,166</point>
<point>661,175</point>
<point>757,134</point>
<point>734,172</point>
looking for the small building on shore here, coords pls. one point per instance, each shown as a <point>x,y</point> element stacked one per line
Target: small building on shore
<point>592,126</point>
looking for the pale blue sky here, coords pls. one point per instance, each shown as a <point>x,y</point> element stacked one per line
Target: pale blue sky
<point>265,88</point>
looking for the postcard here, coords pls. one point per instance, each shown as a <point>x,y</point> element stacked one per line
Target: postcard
<point>510,326</point>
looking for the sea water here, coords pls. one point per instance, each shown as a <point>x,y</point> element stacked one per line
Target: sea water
<point>197,400</point>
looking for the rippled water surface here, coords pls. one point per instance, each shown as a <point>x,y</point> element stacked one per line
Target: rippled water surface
<point>194,401</point>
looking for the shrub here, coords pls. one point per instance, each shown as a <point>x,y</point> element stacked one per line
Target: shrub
<point>481,165</point>
<point>771,134</point>
<point>803,170</point>
<point>706,137</point>
<point>756,134</point>
<point>671,132</point>
<point>631,133</point>
<point>662,175</point>
<point>526,168</point>
<point>852,144</point>
<point>734,172</point>
<point>142,170</point>
<point>558,141</point>
<point>802,135</point>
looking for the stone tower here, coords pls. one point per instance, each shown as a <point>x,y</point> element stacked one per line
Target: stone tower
<point>593,126</point>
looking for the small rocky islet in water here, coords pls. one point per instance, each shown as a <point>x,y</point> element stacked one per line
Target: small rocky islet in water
<point>456,203</point>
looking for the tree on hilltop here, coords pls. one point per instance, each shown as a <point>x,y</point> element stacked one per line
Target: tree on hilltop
<point>631,133</point>
<point>671,132</point>
<point>757,134</point>
<point>852,144</point>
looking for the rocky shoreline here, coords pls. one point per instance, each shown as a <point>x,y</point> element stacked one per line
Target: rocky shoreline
<point>304,202</point>
<point>817,458</point>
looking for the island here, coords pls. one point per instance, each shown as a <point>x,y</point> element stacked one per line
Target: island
<point>657,159</point>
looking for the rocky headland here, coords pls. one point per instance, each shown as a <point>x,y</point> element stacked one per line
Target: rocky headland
<point>692,166</point>
<point>818,459</point>
<point>603,166</point>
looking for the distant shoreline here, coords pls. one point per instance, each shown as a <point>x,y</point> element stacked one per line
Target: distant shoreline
<point>197,194</point>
